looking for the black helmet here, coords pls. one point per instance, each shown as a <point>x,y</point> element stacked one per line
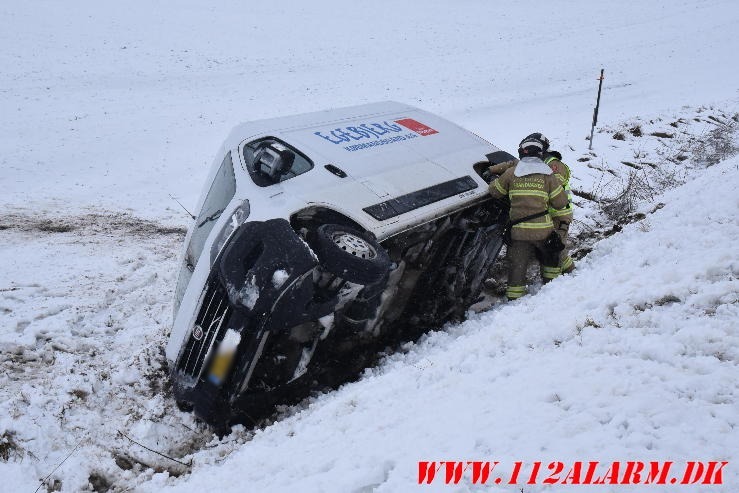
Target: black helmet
<point>533,145</point>
<point>555,154</point>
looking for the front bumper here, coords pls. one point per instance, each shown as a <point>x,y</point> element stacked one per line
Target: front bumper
<point>260,286</point>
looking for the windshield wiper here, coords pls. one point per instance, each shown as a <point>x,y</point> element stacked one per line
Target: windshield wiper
<point>212,217</point>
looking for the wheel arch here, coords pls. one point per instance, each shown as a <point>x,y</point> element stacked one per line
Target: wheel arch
<point>314,216</point>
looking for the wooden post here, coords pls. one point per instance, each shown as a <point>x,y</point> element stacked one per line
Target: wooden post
<point>595,111</point>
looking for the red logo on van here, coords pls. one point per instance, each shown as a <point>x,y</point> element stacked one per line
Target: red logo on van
<point>417,127</point>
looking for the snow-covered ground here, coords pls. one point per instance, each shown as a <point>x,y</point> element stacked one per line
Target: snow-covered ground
<point>108,109</point>
<point>632,358</point>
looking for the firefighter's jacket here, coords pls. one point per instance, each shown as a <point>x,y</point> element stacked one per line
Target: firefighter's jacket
<point>562,172</point>
<point>532,188</point>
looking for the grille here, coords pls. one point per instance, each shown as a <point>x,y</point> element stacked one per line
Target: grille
<point>210,326</point>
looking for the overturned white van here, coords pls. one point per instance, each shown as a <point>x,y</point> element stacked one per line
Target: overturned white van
<point>320,238</point>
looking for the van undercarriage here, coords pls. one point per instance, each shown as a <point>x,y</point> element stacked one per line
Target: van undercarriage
<point>295,307</point>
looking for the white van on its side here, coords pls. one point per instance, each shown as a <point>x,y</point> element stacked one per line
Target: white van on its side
<point>320,238</point>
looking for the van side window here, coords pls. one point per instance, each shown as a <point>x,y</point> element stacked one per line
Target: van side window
<point>270,160</point>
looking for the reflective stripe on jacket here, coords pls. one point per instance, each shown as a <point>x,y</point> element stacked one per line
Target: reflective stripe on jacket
<point>530,194</point>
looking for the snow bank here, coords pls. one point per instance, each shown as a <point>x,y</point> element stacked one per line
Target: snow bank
<point>635,357</point>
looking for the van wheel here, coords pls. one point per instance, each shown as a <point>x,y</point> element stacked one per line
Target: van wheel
<point>350,254</point>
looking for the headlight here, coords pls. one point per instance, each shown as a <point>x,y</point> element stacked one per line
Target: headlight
<point>237,218</point>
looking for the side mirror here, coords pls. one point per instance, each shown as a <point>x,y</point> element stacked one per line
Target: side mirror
<point>498,157</point>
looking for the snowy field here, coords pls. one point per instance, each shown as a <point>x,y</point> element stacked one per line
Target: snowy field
<point>107,110</point>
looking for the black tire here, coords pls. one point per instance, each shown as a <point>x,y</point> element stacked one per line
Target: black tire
<point>350,254</point>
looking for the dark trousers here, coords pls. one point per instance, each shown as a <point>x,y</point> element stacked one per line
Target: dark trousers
<point>519,255</point>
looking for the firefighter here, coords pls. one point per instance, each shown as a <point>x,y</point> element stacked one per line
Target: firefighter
<point>533,190</point>
<point>561,218</point>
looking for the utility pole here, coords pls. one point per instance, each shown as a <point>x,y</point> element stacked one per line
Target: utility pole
<point>595,111</point>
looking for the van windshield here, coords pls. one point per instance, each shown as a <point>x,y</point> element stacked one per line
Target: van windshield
<point>222,190</point>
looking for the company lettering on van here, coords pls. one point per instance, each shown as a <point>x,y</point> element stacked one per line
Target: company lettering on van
<point>375,134</point>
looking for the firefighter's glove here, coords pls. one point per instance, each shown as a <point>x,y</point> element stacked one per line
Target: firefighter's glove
<point>502,204</point>
<point>553,243</point>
